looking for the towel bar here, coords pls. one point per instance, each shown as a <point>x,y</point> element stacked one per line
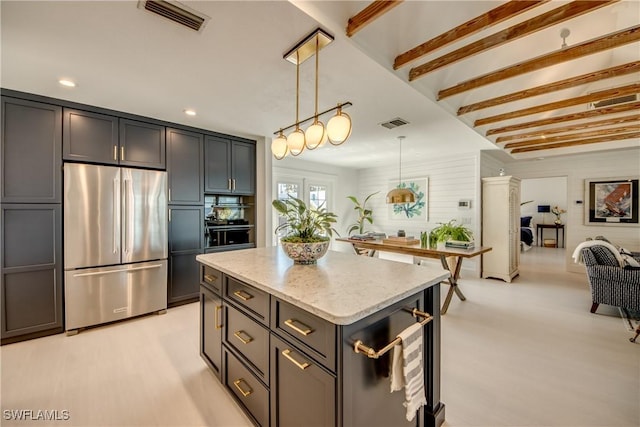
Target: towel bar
<point>360,347</point>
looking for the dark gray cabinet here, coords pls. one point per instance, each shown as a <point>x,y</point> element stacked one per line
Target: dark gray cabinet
<point>243,167</point>
<point>31,270</point>
<point>185,242</point>
<point>185,167</point>
<point>229,166</point>
<point>30,220</point>
<point>102,138</point>
<point>302,391</point>
<point>142,144</point>
<point>31,157</point>
<point>212,326</point>
<point>90,137</point>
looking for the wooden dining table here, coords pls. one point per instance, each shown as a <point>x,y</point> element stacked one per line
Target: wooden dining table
<point>440,252</point>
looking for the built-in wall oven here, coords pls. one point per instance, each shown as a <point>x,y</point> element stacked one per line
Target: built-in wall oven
<point>226,222</point>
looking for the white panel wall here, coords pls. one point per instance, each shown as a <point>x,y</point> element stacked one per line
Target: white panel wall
<point>577,168</point>
<point>451,179</point>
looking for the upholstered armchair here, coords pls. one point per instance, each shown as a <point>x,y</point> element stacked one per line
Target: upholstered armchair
<point>609,282</point>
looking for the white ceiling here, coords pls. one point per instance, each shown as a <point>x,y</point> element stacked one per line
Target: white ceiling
<point>232,73</point>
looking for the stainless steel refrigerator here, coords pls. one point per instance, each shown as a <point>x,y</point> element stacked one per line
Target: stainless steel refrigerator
<point>115,243</point>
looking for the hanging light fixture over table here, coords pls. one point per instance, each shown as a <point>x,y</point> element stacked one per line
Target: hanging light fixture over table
<point>400,195</point>
<point>338,128</point>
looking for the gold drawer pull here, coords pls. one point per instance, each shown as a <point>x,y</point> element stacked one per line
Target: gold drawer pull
<point>303,329</point>
<point>244,296</point>
<point>237,384</point>
<point>287,353</point>
<point>209,278</point>
<point>218,309</point>
<point>246,339</point>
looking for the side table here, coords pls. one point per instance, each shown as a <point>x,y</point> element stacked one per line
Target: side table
<point>540,231</point>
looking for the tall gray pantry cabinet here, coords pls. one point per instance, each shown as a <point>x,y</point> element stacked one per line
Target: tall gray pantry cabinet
<point>186,213</point>
<point>31,219</point>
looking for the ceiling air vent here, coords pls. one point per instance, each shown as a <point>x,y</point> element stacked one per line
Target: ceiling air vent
<point>394,123</point>
<point>176,12</point>
<point>615,101</point>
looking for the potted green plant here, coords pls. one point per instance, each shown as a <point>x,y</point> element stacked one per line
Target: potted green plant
<point>450,231</point>
<point>309,230</point>
<point>364,214</point>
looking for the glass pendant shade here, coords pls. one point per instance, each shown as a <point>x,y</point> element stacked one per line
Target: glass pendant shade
<point>339,128</point>
<point>279,147</point>
<point>296,141</point>
<point>401,195</point>
<point>315,134</point>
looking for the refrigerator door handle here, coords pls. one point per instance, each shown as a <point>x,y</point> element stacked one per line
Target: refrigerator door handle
<point>128,189</point>
<point>100,273</point>
<point>116,214</point>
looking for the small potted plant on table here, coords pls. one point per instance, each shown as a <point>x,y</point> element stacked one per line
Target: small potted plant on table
<point>450,231</point>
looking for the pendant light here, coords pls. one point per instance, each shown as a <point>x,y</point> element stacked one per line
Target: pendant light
<point>316,134</point>
<point>400,195</point>
<point>296,140</point>
<point>337,129</point>
<point>279,147</point>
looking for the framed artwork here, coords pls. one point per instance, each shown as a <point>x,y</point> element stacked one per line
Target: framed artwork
<point>611,201</point>
<point>416,211</point>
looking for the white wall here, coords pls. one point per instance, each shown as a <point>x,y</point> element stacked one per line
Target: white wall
<point>263,188</point>
<point>550,191</point>
<point>451,178</point>
<point>577,168</point>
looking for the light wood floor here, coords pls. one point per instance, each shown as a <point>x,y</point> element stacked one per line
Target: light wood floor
<point>527,353</point>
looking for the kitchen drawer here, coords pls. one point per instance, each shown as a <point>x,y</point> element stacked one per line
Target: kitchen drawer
<point>316,335</point>
<point>254,300</point>
<point>247,389</point>
<point>211,278</point>
<point>248,338</point>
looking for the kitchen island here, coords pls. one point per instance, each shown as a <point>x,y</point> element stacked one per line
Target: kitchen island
<point>300,344</point>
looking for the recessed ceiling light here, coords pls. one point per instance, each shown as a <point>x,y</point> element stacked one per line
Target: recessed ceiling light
<point>190,112</point>
<point>67,83</point>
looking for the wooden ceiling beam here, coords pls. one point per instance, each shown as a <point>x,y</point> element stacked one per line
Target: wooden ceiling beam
<point>573,136</point>
<point>585,99</point>
<point>588,125</point>
<point>486,20</point>
<point>609,41</point>
<point>533,25</point>
<point>623,108</point>
<point>620,70</point>
<point>369,14</point>
<point>577,142</point>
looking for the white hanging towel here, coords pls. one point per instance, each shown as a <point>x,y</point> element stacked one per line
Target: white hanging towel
<point>406,369</point>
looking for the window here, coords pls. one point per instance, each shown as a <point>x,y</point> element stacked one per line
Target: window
<point>315,191</point>
<point>318,196</point>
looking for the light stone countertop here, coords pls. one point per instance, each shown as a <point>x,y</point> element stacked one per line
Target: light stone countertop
<point>342,288</point>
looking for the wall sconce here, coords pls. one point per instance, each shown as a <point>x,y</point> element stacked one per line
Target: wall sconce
<point>338,128</point>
